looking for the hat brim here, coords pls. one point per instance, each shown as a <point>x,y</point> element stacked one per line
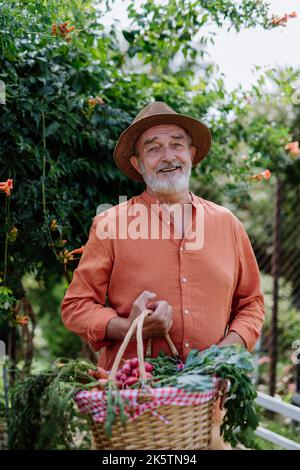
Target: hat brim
<point>124,149</point>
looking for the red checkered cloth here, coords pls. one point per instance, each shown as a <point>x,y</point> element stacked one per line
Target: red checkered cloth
<point>94,403</point>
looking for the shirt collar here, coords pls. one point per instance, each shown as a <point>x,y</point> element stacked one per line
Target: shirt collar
<point>149,199</point>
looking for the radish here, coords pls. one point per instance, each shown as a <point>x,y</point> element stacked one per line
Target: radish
<point>118,375</point>
<point>149,367</point>
<point>126,369</point>
<point>135,372</point>
<point>134,362</point>
<point>131,381</point>
<point>123,377</point>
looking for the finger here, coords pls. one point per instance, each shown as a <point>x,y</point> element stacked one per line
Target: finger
<point>155,316</point>
<point>140,301</point>
<point>161,306</point>
<point>151,305</point>
<point>145,296</point>
<point>150,320</point>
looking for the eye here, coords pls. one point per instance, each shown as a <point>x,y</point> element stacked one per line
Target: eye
<point>177,144</point>
<point>153,148</point>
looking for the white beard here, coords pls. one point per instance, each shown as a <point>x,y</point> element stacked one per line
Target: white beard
<point>169,183</point>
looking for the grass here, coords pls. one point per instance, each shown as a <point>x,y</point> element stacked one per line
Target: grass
<point>277,424</point>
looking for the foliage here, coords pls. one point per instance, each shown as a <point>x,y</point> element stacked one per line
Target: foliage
<point>69,97</point>
<point>230,362</point>
<point>158,30</point>
<point>277,424</point>
<point>42,410</point>
<point>46,302</point>
<point>288,318</point>
<point>54,139</point>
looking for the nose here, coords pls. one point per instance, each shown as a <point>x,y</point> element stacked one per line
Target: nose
<point>168,155</point>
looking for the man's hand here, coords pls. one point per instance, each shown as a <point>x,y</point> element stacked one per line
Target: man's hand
<point>157,323</point>
<point>117,327</point>
<point>140,304</point>
<point>160,321</point>
<point>232,338</point>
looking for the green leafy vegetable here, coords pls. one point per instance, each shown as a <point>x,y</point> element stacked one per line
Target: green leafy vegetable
<point>43,409</point>
<point>230,362</point>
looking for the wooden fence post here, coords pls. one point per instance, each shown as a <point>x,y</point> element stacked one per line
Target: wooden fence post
<point>275,275</point>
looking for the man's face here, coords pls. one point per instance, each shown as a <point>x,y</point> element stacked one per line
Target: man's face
<point>164,158</point>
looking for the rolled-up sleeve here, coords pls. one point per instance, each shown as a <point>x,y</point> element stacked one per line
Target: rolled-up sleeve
<point>82,309</point>
<point>247,309</point>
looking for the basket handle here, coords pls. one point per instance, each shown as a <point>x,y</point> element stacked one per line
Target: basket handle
<point>137,324</point>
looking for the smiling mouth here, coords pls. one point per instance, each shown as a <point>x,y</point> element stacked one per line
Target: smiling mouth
<point>169,170</point>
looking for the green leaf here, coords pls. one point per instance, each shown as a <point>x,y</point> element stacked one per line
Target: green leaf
<point>51,129</point>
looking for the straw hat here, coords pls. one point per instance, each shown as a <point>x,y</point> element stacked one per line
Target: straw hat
<point>155,114</point>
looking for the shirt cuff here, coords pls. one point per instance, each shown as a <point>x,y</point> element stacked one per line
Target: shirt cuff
<point>97,328</point>
<point>246,332</point>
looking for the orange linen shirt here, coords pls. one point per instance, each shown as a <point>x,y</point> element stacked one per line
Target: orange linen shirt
<point>213,289</point>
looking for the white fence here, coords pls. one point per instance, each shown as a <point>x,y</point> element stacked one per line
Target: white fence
<point>285,409</point>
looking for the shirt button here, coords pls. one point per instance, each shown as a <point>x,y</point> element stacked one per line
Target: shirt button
<point>187,345</point>
<point>168,222</point>
<point>183,279</point>
<point>181,248</point>
<point>186,312</point>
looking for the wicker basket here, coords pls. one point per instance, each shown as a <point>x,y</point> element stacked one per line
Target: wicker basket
<point>189,427</point>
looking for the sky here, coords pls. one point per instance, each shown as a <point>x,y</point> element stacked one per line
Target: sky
<point>237,53</point>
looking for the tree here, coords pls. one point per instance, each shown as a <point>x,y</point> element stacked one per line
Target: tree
<point>70,92</point>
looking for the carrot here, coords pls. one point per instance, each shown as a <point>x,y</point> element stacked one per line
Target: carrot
<point>102,383</point>
<point>91,372</point>
<point>101,373</point>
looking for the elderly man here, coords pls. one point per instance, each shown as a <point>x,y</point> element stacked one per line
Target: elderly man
<point>202,292</point>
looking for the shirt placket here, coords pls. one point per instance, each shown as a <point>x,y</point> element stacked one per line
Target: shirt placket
<point>186,299</point>
<point>184,284</point>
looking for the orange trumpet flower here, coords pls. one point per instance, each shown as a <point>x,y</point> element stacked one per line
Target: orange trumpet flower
<point>77,251</point>
<point>293,148</point>
<point>6,186</point>
<point>266,174</point>
<point>22,320</point>
<point>66,255</point>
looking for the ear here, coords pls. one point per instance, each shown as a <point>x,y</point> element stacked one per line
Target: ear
<point>193,153</point>
<point>135,163</point>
